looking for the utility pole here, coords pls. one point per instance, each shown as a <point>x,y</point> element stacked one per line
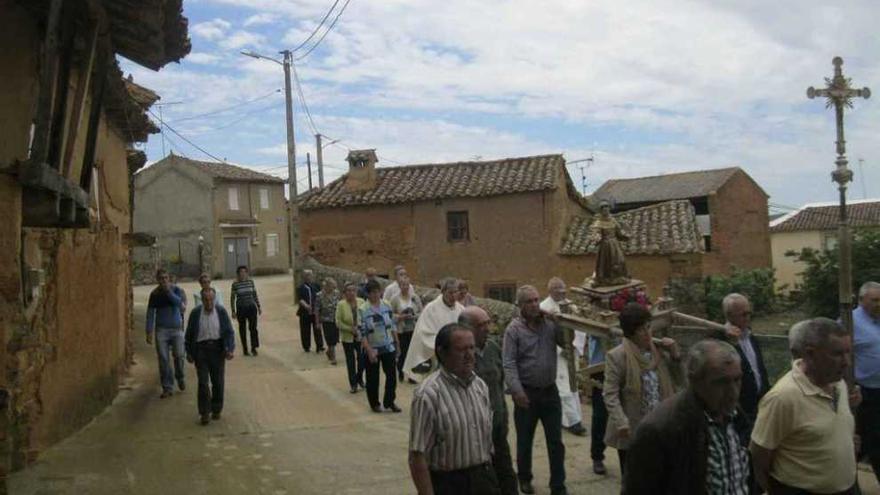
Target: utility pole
<point>839,94</point>
<point>293,207</point>
<point>309,167</point>
<point>320,151</point>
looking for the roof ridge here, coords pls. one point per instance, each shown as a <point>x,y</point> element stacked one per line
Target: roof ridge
<point>722,169</point>
<point>471,162</point>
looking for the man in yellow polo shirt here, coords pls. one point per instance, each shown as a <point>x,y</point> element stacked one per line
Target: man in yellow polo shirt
<point>803,440</point>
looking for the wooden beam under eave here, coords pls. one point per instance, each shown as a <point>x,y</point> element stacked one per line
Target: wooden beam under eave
<point>48,78</point>
<point>79,102</point>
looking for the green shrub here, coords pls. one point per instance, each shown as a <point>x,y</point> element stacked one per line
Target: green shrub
<point>818,290</point>
<point>757,285</point>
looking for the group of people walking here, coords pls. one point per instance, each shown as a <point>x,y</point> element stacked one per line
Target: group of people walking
<point>705,422</point>
<point>207,340</point>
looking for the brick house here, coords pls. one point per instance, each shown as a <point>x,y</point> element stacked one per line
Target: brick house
<point>209,216</point>
<point>814,226</point>
<point>69,121</point>
<point>731,210</point>
<point>498,224</point>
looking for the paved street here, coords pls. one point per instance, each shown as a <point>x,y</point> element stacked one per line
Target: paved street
<point>289,427</point>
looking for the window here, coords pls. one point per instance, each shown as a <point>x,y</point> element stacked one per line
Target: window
<point>233,198</point>
<point>264,198</point>
<point>271,245</point>
<point>502,292</point>
<point>457,226</point>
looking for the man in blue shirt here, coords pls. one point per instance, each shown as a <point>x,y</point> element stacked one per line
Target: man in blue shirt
<point>866,344</point>
<point>165,318</point>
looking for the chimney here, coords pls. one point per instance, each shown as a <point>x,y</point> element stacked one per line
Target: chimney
<point>361,170</point>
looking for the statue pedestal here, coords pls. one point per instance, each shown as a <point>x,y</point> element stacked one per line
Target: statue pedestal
<point>601,296</point>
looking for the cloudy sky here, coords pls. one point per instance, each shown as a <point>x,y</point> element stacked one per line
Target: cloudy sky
<point>645,86</point>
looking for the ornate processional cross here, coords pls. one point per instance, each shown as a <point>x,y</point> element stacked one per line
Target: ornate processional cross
<point>839,94</point>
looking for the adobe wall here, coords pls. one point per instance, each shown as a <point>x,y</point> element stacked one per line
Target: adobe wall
<point>740,227</point>
<point>655,271</point>
<point>510,239</point>
<point>59,364</point>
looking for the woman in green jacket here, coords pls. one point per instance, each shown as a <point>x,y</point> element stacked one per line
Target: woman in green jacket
<point>347,323</point>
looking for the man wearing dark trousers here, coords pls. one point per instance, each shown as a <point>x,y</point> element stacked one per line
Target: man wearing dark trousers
<point>596,355</point>
<point>246,307</point>
<point>210,341</point>
<point>490,368</point>
<point>529,350</point>
<point>307,296</point>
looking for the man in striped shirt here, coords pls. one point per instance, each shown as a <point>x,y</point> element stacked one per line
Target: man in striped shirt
<point>246,307</point>
<point>450,441</point>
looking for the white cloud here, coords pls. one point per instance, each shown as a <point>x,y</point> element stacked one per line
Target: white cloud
<point>681,86</point>
<point>260,19</point>
<point>202,58</point>
<point>242,39</point>
<point>211,30</point>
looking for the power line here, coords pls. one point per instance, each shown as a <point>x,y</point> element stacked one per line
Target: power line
<point>181,136</point>
<point>318,27</point>
<point>222,110</point>
<point>330,28</point>
<point>243,117</point>
<point>302,99</point>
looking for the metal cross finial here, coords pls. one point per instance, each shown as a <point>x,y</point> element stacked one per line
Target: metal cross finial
<point>839,94</point>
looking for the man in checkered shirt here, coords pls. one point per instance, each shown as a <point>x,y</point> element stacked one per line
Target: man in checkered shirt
<point>696,441</point>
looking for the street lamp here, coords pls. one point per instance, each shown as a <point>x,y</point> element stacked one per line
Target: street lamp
<point>293,208</point>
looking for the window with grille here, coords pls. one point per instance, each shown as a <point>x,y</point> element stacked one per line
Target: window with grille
<point>457,226</point>
<point>502,292</point>
<point>271,245</point>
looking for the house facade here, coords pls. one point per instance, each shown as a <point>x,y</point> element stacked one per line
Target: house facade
<point>69,119</point>
<point>813,226</point>
<point>212,217</point>
<point>731,209</point>
<point>498,224</point>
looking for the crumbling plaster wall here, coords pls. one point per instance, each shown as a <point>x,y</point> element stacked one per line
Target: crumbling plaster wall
<point>65,333</point>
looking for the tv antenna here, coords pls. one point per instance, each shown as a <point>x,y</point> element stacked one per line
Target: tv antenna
<point>584,164</point>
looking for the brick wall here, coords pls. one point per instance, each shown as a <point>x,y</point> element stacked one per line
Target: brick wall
<point>740,227</point>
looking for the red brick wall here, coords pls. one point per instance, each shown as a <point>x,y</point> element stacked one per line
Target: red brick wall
<point>740,227</point>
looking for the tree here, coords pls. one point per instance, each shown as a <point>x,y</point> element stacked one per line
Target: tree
<point>818,290</point>
<point>757,285</point>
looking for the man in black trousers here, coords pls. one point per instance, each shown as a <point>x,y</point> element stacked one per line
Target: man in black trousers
<point>307,295</point>
<point>209,342</point>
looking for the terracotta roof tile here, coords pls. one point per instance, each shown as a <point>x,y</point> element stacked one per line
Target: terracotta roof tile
<point>664,187</point>
<point>664,228</point>
<point>413,183</point>
<point>825,217</point>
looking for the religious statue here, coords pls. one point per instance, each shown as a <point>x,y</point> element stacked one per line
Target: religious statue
<point>610,264</point>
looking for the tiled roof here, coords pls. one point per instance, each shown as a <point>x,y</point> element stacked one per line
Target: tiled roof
<point>825,217</point>
<point>224,171</point>
<point>664,187</point>
<point>664,228</point>
<point>413,183</point>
